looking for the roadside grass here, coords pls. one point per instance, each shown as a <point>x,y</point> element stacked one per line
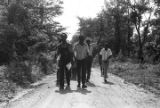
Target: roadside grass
<point>143,75</point>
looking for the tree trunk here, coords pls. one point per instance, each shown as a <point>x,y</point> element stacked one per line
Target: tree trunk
<point>140,51</point>
<point>128,37</point>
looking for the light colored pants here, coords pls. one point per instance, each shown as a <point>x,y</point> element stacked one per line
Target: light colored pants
<point>105,68</point>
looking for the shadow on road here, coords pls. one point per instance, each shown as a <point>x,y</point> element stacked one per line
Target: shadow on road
<point>91,84</point>
<point>108,82</point>
<point>38,85</point>
<point>79,90</point>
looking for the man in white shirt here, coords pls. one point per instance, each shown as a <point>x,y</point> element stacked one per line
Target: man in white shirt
<point>106,55</point>
<point>81,52</point>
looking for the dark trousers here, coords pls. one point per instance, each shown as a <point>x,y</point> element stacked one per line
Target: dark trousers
<point>81,71</point>
<point>58,76</point>
<point>88,67</point>
<point>105,68</point>
<point>63,70</point>
<point>100,63</point>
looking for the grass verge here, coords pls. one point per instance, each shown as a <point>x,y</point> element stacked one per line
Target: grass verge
<point>146,75</point>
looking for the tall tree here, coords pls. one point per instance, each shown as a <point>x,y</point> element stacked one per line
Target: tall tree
<point>139,8</point>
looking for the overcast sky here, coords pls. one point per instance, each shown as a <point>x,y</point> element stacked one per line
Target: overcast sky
<point>74,8</point>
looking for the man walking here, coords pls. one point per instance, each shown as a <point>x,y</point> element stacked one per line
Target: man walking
<point>57,58</point>
<point>106,55</point>
<point>81,53</point>
<point>64,52</point>
<point>89,60</point>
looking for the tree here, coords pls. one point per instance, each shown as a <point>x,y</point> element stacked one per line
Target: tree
<point>138,10</point>
<point>109,26</point>
<point>29,30</point>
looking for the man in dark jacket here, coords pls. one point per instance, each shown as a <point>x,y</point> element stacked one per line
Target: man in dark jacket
<point>64,53</point>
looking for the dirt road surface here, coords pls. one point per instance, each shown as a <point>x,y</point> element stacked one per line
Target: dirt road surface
<point>115,94</point>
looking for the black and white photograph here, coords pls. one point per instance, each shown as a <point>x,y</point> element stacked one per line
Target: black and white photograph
<point>79,53</point>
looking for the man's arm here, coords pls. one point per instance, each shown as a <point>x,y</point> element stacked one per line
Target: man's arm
<point>87,50</point>
<point>57,55</point>
<point>110,53</point>
<point>74,51</point>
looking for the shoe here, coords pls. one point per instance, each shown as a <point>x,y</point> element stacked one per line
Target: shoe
<point>87,81</point>
<point>68,87</point>
<point>84,86</point>
<point>105,81</point>
<point>78,85</point>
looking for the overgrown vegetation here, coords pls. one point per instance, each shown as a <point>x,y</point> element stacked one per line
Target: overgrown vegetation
<point>28,35</point>
<point>146,76</point>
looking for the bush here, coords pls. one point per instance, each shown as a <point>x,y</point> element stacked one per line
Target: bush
<point>7,39</point>
<point>20,72</point>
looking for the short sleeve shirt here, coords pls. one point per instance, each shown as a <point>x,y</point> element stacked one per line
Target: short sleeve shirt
<point>105,53</point>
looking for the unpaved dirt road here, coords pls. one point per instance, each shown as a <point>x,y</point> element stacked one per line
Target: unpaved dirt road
<point>115,94</point>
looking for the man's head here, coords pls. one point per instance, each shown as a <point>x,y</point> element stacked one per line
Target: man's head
<point>106,46</point>
<point>88,41</point>
<point>63,37</point>
<point>81,39</point>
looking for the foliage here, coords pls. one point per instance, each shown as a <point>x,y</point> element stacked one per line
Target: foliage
<point>109,26</point>
<point>127,26</point>
<point>29,29</point>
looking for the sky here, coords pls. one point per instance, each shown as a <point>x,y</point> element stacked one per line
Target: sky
<point>74,8</point>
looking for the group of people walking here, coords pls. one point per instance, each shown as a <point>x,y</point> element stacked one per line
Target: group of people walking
<point>81,55</point>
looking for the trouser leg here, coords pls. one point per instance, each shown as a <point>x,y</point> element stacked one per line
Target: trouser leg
<point>58,73</point>
<point>79,65</point>
<point>101,68</point>
<point>58,76</point>
<point>68,76</point>
<point>83,72</point>
<point>61,74</point>
<point>100,64</point>
<point>73,70</point>
<point>89,65</point>
<point>87,68</point>
<point>105,66</point>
